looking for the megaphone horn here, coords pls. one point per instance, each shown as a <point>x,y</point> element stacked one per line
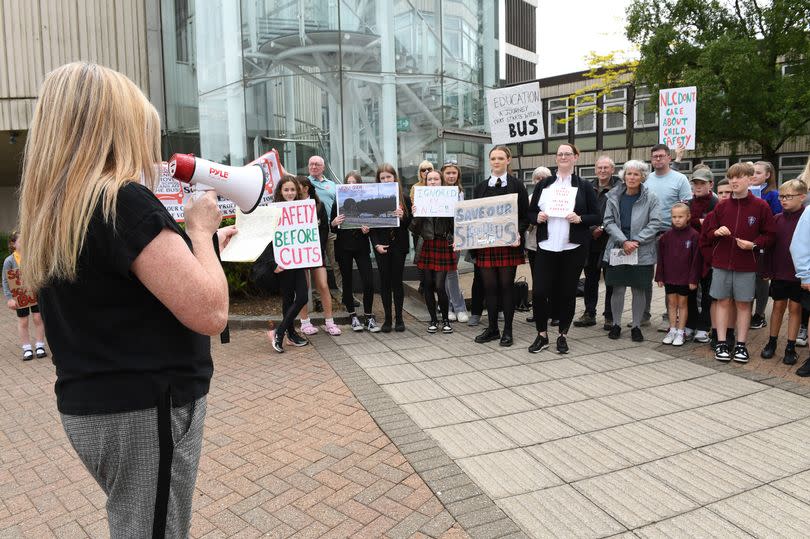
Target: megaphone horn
<point>243,185</point>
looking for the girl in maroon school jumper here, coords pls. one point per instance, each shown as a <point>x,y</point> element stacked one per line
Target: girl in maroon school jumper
<point>678,270</point>
<point>498,265</point>
<point>436,257</point>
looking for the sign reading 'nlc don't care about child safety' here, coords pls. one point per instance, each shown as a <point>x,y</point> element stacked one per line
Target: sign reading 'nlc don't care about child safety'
<point>677,117</point>
<point>296,242</point>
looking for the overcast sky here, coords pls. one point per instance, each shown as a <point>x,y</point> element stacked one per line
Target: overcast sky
<point>568,31</point>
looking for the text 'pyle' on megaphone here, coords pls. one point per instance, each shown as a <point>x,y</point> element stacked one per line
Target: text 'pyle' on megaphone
<point>244,185</point>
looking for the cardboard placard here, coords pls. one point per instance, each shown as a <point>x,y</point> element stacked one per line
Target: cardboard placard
<point>18,291</point>
<point>486,222</point>
<point>369,204</point>
<point>437,201</point>
<point>558,201</point>
<point>296,241</point>
<point>677,116</point>
<point>515,113</point>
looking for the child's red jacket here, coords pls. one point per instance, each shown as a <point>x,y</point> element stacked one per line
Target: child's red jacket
<point>748,218</point>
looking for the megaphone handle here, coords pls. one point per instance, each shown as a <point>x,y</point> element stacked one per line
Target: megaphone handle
<point>199,190</point>
<point>225,336</point>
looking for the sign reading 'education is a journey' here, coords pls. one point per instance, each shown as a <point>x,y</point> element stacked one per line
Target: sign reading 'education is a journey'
<point>677,115</point>
<point>515,114</point>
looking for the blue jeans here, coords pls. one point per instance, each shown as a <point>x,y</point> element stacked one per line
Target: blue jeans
<point>454,293</point>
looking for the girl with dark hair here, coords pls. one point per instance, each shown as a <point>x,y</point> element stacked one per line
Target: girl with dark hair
<point>352,245</point>
<point>498,265</point>
<point>391,246</point>
<point>436,258</point>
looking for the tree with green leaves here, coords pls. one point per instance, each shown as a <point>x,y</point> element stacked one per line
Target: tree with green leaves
<point>749,60</point>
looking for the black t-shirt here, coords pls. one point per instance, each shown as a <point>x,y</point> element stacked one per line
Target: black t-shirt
<point>116,347</point>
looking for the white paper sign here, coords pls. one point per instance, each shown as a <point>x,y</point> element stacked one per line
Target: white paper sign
<point>619,258</point>
<point>677,116</point>
<point>558,201</point>
<point>256,230</point>
<point>296,242</point>
<point>438,201</point>
<point>515,114</point>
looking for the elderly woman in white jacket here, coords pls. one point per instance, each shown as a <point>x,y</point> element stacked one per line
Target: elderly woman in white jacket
<point>632,221</point>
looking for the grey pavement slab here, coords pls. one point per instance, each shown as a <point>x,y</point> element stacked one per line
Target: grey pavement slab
<point>602,361</point>
<point>758,458</point>
<point>534,427</point>
<point>640,404</point>
<point>415,391</point>
<point>599,384</point>
<point>491,360</point>
<point>692,428</point>
<point>639,443</point>
<point>416,355</point>
<point>781,402</point>
<point>369,347</point>
<point>499,402</point>
<point>439,412</point>
<point>561,368</point>
<point>590,415</point>
<point>639,354</point>
<point>797,486</point>
<point>508,473</point>
<point>634,497</point>
<point>470,439</point>
<point>551,393</point>
<point>729,386</point>
<point>742,414</point>
<point>378,359</point>
<point>395,373</point>
<point>560,512</point>
<point>443,367</point>
<point>409,343</point>
<point>578,457</point>
<point>700,523</point>
<point>517,375</point>
<point>466,383</point>
<point>766,512</point>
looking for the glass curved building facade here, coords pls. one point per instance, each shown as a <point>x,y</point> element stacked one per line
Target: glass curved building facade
<point>359,82</point>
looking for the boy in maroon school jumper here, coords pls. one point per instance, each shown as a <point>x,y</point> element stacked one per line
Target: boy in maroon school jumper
<point>786,289</point>
<point>702,203</point>
<point>678,270</point>
<point>741,227</point>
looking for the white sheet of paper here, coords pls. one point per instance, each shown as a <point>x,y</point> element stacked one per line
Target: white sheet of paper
<point>256,230</point>
<point>618,258</point>
<point>558,201</point>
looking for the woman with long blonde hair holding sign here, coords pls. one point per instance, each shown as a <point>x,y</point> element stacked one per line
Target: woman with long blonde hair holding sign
<point>128,297</point>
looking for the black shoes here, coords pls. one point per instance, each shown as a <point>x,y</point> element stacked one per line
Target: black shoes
<point>615,332</point>
<point>769,351</point>
<point>386,327</point>
<point>278,345</point>
<point>740,353</point>
<point>489,334</point>
<point>636,335</point>
<point>804,370</point>
<point>399,325</point>
<point>506,338</point>
<point>446,327</point>
<point>608,324</point>
<point>758,321</point>
<point>791,357</point>
<point>585,321</point>
<point>721,352</point>
<point>296,340</point>
<point>433,326</point>
<point>539,344</point>
<point>562,345</point>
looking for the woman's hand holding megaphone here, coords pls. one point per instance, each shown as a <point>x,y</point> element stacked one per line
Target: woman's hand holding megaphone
<point>202,215</point>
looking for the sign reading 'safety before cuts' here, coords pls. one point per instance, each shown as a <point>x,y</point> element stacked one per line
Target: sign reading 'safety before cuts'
<point>515,114</point>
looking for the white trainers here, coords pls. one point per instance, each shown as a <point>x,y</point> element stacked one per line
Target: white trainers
<point>702,336</point>
<point>371,324</point>
<point>451,316</point>
<point>678,340</point>
<point>463,317</point>
<point>670,336</point>
<point>801,340</point>
<point>356,324</point>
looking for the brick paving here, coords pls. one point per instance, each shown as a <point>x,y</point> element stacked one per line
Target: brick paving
<point>288,452</point>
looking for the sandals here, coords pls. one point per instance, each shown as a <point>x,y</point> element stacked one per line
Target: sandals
<point>28,355</point>
<point>309,329</point>
<point>41,352</point>
<point>332,329</point>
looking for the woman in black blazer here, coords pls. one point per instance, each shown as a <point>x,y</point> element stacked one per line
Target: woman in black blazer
<point>562,244</point>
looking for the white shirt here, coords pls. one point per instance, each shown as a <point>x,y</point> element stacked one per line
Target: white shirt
<point>558,227</point>
<point>493,180</point>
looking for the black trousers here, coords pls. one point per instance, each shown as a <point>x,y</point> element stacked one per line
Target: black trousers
<point>700,319</point>
<point>363,260</point>
<point>499,289</point>
<point>433,284</point>
<point>555,286</point>
<point>294,295</point>
<point>593,272</point>
<point>477,300</point>
<point>391,266</point>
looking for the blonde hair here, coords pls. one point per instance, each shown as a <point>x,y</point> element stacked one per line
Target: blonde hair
<point>93,131</point>
<point>740,170</point>
<point>796,185</point>
<point>768,166</point>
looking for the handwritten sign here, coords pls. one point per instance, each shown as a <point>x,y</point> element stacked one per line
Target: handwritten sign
<point>18,291</point>
<point>515,114</point>
<point>619,258</point>
<point>256,230</point>
<point>438,201</point>
<point>296,242</point>
<point>486,222</point>
<point>677,115</point>
<point>369,204</point>
<point>558,201</point>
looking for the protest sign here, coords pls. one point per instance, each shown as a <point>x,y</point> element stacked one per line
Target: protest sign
<point>296,242</point>
<point>558,201</point>
<point>619,258</point>
<point>437,201</point>
<point>256,230</point>
<point>486,222</point>
<point>515,114</point>
<point>677,116</point>
<point>369,204</point>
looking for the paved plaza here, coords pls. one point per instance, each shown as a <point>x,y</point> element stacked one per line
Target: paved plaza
<point>416,435</point>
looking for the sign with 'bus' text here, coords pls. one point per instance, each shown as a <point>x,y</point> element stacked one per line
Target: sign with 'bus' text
<point>296,242</point>
<point>515,114</point>
<point>486,222</point>
<point>677,117</point>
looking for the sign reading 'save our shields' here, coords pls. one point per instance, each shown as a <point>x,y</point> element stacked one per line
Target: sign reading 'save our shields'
<point>677,117</point>
<point>515,114</point>
<point>486,222</point>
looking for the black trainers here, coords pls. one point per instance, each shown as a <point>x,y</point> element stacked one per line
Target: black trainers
<point>769,351</point>
<point>608,324</point>
<point>446,327</point>
<point>296,340</point>
<point>636,335</point>
<point>433,326</point>
<point>386,327</point>
<point>488,335</point>
<point>758,321</point>
<point>562,345</point>
<point>585,321</point>
<point>539,344</point>
<point>615,332</point>
<point>791,357</point>
<point>740,353</point>
<point>356,324</point>
<point>278,345</point>
<point>399,326</point>
<point>804,370</point>
<point>721,352</point>
<point>371,324</point>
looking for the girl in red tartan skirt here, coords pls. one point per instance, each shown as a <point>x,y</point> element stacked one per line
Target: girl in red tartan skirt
<point>498,265</point>
<point>436,257</point>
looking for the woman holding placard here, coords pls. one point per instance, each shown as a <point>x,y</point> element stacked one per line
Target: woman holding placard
<point>564,208</point>
<point>632,221</point>
<point>498,265</point>
<point>391,246</point>
<point>458,308</point>
<point>436,258</point>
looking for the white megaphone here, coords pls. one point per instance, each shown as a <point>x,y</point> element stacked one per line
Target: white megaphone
<point>244,185</point>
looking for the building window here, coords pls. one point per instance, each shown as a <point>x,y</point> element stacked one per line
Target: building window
<point>181,24</point>
<point>585,121</point>
<point>790,166</point>
<point>615,110</point>
<point>587,173</point>
<point>557,117</point>
<point>684,167</point>
<point>646,112</point>
<point>717,166</point>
